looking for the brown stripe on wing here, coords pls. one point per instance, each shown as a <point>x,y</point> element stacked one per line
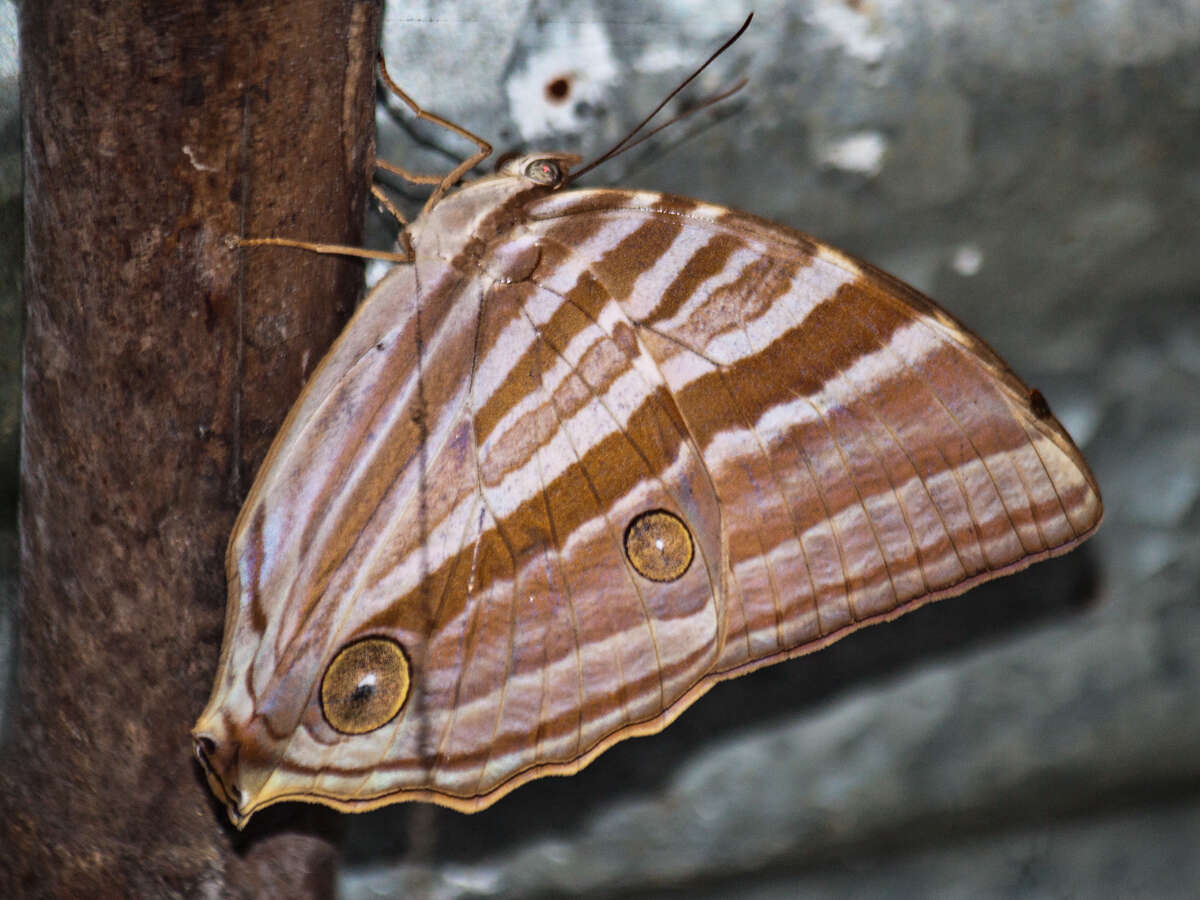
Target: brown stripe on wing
<point>563,206</point>
<point>603,361</point>
<point>703,263</point>
<point>644,241</point>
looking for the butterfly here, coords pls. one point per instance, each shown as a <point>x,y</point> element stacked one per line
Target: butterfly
<point>584,454</point>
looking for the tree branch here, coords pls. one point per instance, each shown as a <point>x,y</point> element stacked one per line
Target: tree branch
<point>158,365</point>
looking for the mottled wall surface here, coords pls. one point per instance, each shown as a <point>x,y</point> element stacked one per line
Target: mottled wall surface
<point>1034,167</point>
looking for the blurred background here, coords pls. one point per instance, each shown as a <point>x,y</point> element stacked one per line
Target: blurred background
<point>1034,167</point>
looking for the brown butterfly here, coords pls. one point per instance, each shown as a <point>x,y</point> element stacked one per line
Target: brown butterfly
<point>584,455</point>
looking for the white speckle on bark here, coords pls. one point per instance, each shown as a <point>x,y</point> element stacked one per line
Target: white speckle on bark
<point>196,164</point>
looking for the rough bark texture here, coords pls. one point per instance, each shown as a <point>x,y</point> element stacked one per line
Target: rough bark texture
<point>158,365</point>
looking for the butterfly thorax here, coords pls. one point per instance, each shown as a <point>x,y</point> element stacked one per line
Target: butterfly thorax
<point>462,227</point>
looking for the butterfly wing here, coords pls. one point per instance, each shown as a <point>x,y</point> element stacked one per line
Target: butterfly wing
<point>869,453</point>
<point>337,528</point>
<point>463,471</point>
<point>564,645</point>
<point>459,477</point>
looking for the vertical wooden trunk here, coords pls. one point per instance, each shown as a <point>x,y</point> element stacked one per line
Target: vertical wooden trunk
<point>158,364</point>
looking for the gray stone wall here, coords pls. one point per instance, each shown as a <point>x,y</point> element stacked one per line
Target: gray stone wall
<point>1034,167</point>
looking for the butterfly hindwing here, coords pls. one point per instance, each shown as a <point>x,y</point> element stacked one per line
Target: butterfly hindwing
<point>495,444</point>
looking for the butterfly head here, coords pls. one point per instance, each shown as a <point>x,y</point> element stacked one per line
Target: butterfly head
<point>550,170</point>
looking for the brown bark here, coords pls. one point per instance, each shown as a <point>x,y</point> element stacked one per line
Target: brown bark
<point>158,365</point>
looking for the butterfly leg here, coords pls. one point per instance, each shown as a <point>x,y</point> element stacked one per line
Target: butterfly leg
<point>332,249</point>
<point>405,254</point>
<point>443,184</point>
<point>385,201</point>
<point>414,177</point>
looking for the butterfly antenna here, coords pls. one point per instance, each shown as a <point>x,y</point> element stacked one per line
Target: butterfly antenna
<point>654,153</point>
<point>624,143</point>
<point>703,104</point>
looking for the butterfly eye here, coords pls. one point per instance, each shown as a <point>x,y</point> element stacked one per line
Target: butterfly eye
<point>544,171</point>
<point>659,545</point>
<point>365,685</point>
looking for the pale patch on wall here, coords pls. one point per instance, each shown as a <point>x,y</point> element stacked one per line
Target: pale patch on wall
<point>858,35</point>
<point>9,48</point>
<point>576,66</point>
<point>967,260</point>
<point>862,153</point>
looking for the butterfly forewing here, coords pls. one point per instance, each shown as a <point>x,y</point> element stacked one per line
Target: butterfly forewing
<point>558,377</point>
<point>868,452</point>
